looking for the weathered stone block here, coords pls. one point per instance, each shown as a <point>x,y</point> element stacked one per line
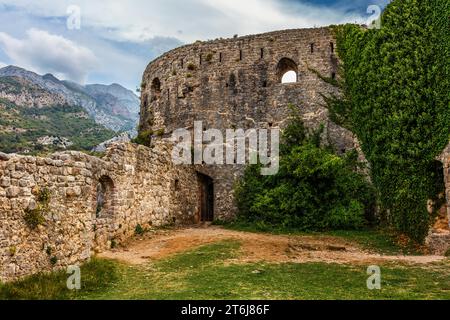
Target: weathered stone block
<point>73,192</point>
<point>5,182</point>
<point>12,192</point>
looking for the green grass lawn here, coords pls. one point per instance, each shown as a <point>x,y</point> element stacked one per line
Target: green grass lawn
<point>376,240</point>
<point>208,273</point>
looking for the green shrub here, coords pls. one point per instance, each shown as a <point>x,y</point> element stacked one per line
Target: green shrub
<point>160,132</point>
<point>314,189</point>
<point>191,67</point>
<point>209,57</point>
<point>44,196</point>
<point>144,138</point>
<point>34,218</point>
<point>53,261</point>
<point>113,244</point>
<point>12,251</point>
<point>139,231</point>
<point>349,217</point>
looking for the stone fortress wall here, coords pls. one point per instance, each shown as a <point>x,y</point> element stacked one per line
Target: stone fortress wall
<point>236,83</point>
<point>94,204</point>
<point>439,239</point>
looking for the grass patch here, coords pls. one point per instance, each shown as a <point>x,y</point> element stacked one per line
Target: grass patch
<point>376,240</point>
<point>208,273</point>
<point>380,241</point>
<point>96,276</point>
<point>201,257</point>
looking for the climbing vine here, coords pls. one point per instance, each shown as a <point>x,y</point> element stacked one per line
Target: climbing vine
<point>396,99</point>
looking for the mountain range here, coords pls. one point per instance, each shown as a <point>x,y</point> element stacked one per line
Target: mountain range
<point>40,113</point>
<point>112,106</point>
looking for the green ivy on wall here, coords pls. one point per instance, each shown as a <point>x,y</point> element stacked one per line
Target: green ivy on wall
<point>396,99</point>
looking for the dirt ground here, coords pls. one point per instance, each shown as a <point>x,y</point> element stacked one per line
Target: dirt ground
<point>255,248</point>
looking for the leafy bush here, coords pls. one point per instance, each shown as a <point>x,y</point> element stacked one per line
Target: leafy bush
<point>396,100</point>
<point>53,261</point>
<point>34,218</point>
<point>314,189</point>
<point>139,230</point>
<point>144,138</point>
<point>191,67</point>
<point>209,57</point>
<point>44,196</point>
<point>12,251</point>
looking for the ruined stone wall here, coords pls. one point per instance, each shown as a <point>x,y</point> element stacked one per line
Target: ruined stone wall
<point>142,187</point>
<point>236,83</point>
<point>439,240</point>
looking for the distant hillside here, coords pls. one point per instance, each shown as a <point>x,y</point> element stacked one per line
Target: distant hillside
<point>59,127</point>
<point>42,113</point>
<point>112,106</point>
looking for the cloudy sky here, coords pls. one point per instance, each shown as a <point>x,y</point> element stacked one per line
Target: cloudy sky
<point>113,40</point>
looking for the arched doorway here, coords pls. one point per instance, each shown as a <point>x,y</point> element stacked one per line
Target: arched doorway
<point>104,213</point>
<point>206,198</point>
<point>105,196</point>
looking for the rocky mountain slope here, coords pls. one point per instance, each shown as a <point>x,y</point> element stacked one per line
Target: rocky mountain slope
<point>36,130</point>
<point>112,106</point>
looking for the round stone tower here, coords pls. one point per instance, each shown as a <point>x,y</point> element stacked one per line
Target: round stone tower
<point>237,83</point>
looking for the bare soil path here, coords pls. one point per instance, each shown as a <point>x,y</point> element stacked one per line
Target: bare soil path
<point>255,248</point>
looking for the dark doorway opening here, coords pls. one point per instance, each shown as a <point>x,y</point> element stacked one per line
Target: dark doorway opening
<point>206,198</point>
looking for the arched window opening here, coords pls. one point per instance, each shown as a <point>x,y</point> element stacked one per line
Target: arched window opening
<point>156,89</point>
<point>232,83</point>
<point>145,102</point>
<point>105,195</point>
<point>287,71</point>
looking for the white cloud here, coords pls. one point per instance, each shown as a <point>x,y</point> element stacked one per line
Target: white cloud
<point>140,20</point>
<point>43,52</point>
<point>2,64</point>
<point>125,36</point>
